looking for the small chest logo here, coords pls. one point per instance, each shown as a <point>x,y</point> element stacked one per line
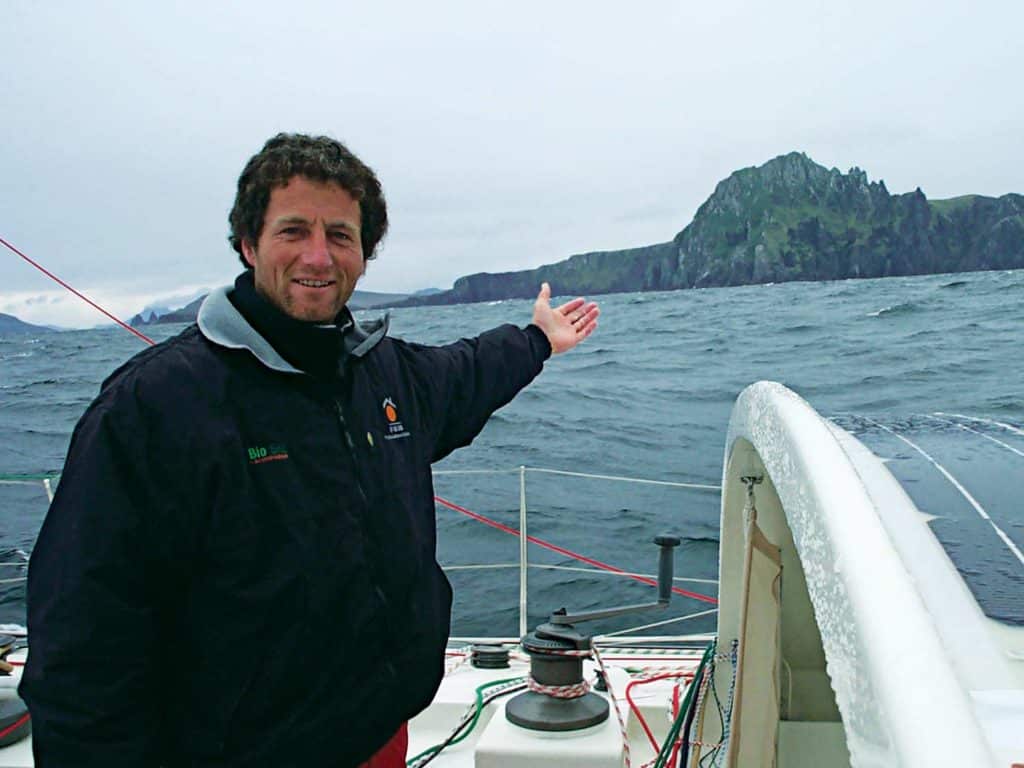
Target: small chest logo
<point>395,429</point>
<point>261,454</point>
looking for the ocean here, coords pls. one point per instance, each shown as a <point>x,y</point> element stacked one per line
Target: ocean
<point>647,396</point>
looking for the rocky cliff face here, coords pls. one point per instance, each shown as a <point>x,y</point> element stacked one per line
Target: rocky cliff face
<point>789,219</point>
<point>584,273</point>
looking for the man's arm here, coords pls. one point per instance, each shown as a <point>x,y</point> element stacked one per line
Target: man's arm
<point>91,679</point>
<point>462,384</point>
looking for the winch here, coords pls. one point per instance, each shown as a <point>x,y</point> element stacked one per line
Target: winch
<point>559,699</point>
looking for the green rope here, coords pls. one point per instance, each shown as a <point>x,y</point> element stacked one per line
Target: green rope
<point>677,725</point>
<point>466,730</point>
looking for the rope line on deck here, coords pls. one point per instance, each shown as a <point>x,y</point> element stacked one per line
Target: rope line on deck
<point>1014,549</point>
<point>993,422</point>
<point>965,428</point>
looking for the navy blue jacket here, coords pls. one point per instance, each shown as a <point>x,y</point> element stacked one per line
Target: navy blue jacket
<point>238,568</point>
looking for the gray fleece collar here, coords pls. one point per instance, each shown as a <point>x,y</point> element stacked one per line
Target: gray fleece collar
<point>222,324</point>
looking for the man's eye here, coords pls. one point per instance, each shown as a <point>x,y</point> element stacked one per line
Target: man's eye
<point>292,231</point>
<point>341,235</point>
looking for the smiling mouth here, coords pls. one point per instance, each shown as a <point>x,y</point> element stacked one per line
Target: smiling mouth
<point>314,283</point>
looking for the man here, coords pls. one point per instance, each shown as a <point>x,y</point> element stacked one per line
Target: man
<point>238,568</point>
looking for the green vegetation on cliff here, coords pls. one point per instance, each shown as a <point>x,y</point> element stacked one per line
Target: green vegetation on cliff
<point>789,219</point>
<point>792,219</point>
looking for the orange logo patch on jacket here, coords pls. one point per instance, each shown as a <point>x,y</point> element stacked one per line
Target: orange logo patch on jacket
<point>395,428</point>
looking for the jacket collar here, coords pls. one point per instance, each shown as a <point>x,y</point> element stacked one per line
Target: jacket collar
<point>224,325</point>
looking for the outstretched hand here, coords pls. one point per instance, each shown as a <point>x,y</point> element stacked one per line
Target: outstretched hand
<point>567,325</point>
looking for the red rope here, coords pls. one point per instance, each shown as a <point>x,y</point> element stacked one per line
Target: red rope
<point>15,725</point>
<point>82,296</point>
<point>569,553</point>
<point>636,710</point>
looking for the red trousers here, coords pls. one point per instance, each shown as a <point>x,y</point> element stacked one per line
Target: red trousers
<point>392,754</point>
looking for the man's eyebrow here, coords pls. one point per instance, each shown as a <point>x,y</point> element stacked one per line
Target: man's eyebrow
<point>342,224</point>
<point>287,220</point>
<point>280,220</point>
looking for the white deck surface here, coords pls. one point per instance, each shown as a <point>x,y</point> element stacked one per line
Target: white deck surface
<point>496,743</point>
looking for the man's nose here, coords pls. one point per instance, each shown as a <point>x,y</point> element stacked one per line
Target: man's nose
<point>317,252</point>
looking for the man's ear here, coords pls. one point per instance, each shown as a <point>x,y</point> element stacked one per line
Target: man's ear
<point>249,252</point>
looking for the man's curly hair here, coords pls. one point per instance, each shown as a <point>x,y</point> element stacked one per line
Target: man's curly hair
<point>317,158</point>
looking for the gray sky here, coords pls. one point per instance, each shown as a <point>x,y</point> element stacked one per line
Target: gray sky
<point>507,135</point>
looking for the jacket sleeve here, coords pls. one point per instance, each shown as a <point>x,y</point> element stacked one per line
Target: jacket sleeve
<point>462,384</point>
<point>94,601</point>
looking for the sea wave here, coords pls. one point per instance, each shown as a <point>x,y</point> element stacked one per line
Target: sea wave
<point>903,308</point>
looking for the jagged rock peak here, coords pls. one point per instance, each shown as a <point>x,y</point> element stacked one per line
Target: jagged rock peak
<point>794,179</point>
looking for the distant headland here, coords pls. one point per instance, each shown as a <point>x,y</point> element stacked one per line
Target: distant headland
<point>9,324</point>
<point>789,219</point>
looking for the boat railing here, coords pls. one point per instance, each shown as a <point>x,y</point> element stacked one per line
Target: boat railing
<point>523,565</point>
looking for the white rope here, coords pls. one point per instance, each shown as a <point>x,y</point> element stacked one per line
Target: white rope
<point>1004,425</point>
<point>963,491</point>
<point>698,486</point>
<point>661,623</point>
<point>629,643</point>
<point>727,716</point>
<point>614,704</point>
<point>14,581</point>
<point>702,690</point>
<point>997,441</point>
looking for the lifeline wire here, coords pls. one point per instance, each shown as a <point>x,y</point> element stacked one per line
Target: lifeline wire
<point>568,553</point>
<point>80,295</point>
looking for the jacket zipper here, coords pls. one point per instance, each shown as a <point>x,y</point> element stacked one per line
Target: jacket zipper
<point>362,496</point>
<point>351,446</point>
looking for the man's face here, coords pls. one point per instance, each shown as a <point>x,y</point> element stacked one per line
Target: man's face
<point>309,255</point>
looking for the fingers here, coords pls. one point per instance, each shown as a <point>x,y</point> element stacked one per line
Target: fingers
<point>582,312</point>
<point>570,306</point>
<point>545,293</point>
<point>586,319</point>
